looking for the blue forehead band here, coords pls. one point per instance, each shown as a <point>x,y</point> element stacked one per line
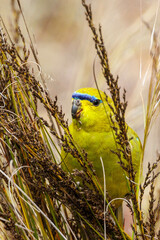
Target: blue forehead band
<point>84,96</point>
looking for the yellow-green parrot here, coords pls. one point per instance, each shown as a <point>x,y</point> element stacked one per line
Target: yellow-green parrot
<point>92,132</point>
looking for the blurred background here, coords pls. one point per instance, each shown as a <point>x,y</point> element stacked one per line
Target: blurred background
<point>66,50</point>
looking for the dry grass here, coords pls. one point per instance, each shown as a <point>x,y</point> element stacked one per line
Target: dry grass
<point>38,199</point>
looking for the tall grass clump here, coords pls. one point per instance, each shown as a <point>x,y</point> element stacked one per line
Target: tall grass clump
<point>39,200</point>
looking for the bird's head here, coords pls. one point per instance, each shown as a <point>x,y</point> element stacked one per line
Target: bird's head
<point>89,107</point>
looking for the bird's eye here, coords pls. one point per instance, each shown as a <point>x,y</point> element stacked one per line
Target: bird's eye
<point>96,102</point>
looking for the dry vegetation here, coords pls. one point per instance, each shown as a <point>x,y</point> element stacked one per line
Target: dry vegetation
<point>38,199</point>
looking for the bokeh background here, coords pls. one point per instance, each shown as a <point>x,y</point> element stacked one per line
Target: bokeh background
<point>66,51</point>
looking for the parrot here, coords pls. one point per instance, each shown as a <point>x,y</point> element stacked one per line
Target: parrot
<point>92,132</point>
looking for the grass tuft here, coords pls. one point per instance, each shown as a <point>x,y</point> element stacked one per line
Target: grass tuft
<point>39,200</point>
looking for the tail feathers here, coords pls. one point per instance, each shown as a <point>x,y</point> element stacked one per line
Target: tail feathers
<point>119,216</point>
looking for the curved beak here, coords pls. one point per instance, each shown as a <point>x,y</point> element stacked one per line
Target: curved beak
<point>76,108</point>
